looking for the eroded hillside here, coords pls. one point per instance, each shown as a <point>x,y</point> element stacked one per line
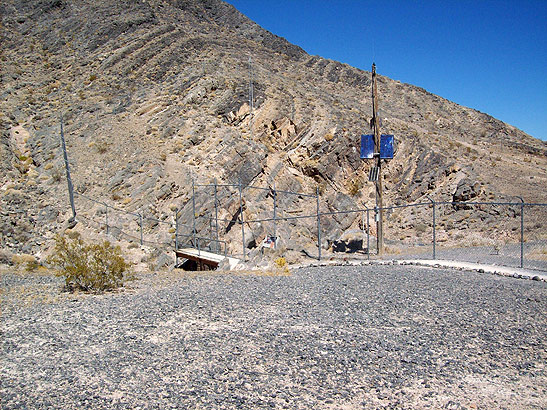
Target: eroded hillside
<point>155,94</point>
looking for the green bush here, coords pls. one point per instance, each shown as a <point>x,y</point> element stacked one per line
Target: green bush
<point>88,267</point>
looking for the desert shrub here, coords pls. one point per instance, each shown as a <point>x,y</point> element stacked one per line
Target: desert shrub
<point>281,265</point>
<point>177,147</point>
<point>102,146</point>
<point>88,267</point>
<point>29,262</point>
<point>57,174</point>
<point>354,186</point>
<point>322,187</point>
<point>133,245</point>
<point>281,262</point>
<point>72,234</point>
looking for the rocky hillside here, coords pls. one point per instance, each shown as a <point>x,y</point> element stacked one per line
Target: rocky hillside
<point>155,94</point>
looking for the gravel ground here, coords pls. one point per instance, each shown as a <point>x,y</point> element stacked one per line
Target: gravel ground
<point>352,337</point>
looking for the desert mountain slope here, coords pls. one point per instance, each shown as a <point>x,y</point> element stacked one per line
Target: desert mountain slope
<point>155,94</point>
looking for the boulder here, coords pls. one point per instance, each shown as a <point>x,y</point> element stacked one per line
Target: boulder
<point>163,261</point>
<point>466,190</point>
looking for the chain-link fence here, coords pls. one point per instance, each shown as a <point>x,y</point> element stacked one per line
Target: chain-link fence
<point>244,218</point>
<point>228,219</point>
<point>535,236</point>
<point>122,224</point>
<point>479,232</point>
<point>498,233</point>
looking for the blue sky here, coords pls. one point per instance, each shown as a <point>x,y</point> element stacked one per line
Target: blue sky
<point>484,54</point>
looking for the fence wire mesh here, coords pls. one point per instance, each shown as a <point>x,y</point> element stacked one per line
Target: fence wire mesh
<point>535,236</point>
<point>226,214</point>
<point>228,220</point>
<point>505,234</point>
<point>498,233</point>
<point>120,224</point>
<point>482,232</point>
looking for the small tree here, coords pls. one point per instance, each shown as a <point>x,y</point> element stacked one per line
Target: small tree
<point>88,267</point>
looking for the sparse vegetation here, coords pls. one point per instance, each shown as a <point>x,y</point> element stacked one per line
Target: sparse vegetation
<point>282,265</point>
<point>322,187</point>
<point>354,186</point>
<point>29,262</point>
<point>102,146</point>
<point>87,266</point>
<point>148,133</point>
<point>56,174</point>
<point>72,234</point>
<point>133,245</point>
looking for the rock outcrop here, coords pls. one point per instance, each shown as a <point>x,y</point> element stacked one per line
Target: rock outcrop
<point>155,95</point>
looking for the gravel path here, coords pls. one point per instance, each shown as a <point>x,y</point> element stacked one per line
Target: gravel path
<point>349,337</point>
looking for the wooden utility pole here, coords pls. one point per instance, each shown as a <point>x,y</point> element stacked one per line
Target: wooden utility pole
<point>379,189</point>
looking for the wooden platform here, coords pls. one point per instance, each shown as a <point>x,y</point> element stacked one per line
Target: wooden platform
<point>204,259</point>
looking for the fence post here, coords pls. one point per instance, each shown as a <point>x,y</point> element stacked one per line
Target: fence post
<point>434,223</point>
<point>140,224</point>
<point>241,216</point>
<point>318,224</point>
<point>68,178</point>
<point>193,214</point>
<point>176,229</point>
<point>106,217</point>
<point>217,247</point>
<point>521,231</point>
<point>368,234</point>
<point>363,223</point>
<point>274,216</point>
<point>434,233</point>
